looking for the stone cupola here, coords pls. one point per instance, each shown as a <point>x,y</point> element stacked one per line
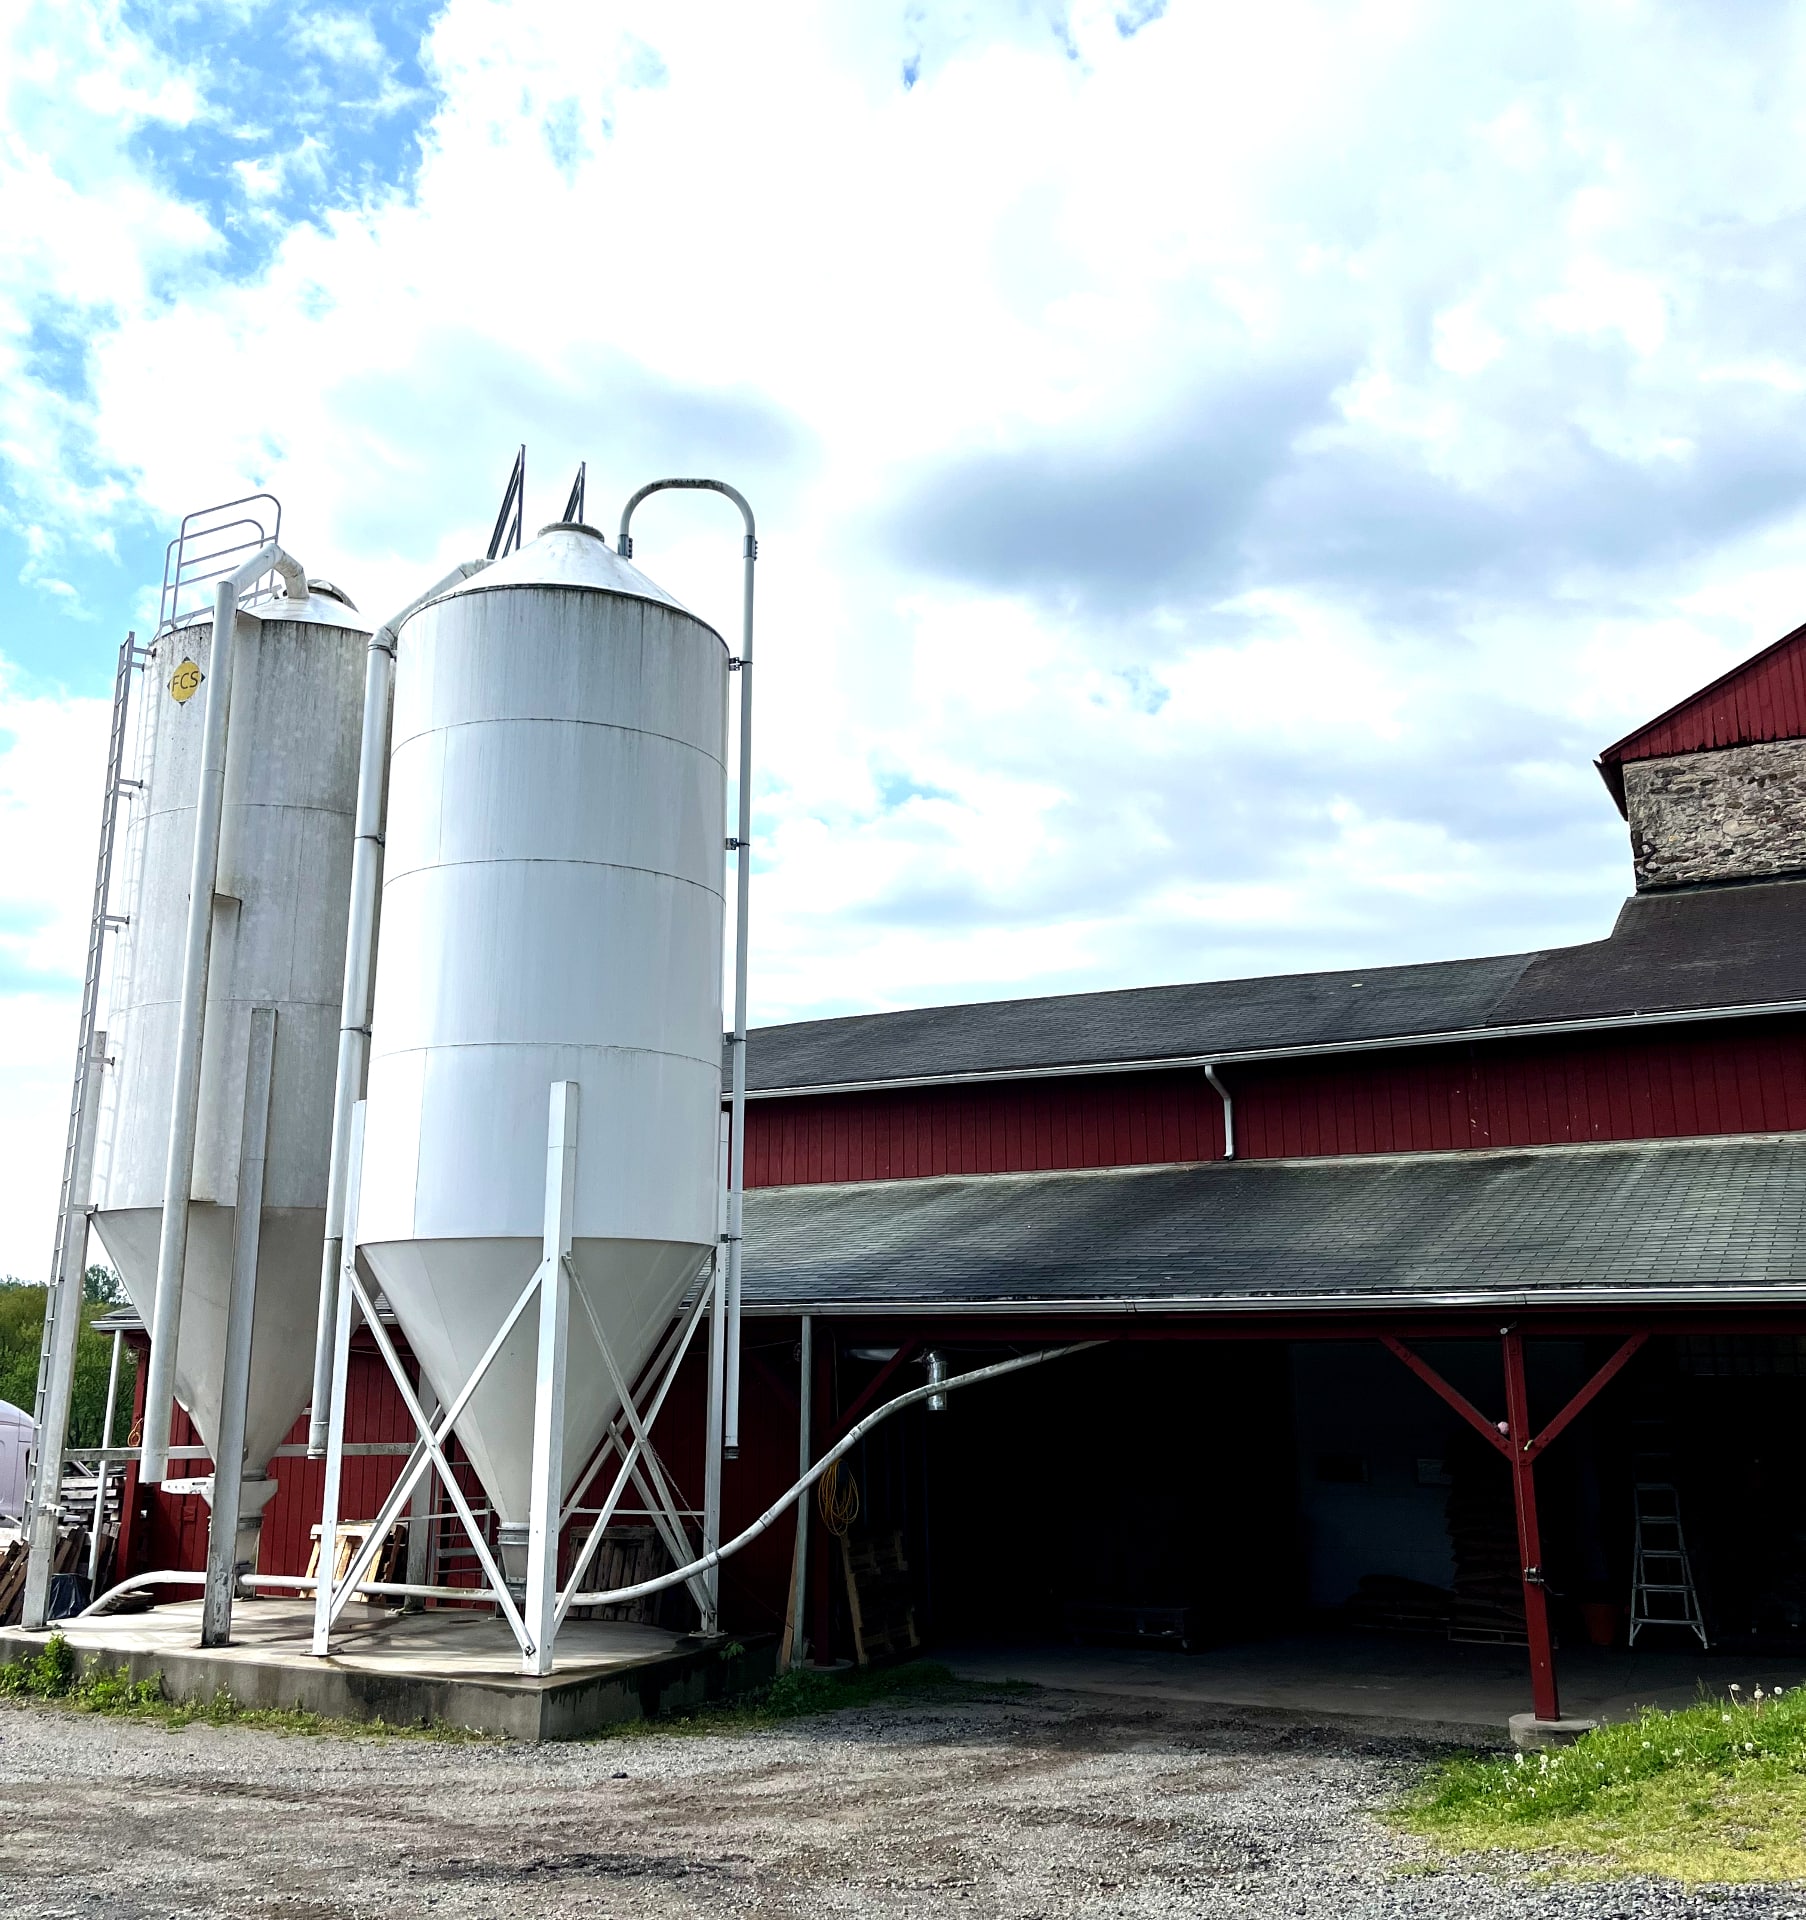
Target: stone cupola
<point>1714,789</point>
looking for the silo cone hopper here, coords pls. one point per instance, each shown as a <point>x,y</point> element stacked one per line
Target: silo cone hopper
<point>278,940</point>
<point>450,1296</point>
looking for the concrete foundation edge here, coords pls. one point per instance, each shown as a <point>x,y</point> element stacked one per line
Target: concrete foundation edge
<point>554,1709</point>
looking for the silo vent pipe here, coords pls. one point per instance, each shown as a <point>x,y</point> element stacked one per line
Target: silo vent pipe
<point>741,845</point>
<point>360,955</point>
<point>191,1016</point>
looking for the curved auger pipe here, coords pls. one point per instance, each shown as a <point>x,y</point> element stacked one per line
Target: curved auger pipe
<point>617,1595</point>
<point>784,1502</point>
<point>741,846</point>
<point>191,1018</point>
<point>360,955</point>
<point>277,1583</point>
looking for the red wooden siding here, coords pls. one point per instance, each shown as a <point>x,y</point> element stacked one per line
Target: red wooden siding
<point>1764,699</point>
<point>1648,1087</point>
<point>172,1531</point>
<point>1630,1086</point>
<point>1022,1126</point>
<point>373,1412</point>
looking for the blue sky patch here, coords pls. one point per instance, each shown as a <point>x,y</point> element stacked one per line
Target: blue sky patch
<point>304,111</point>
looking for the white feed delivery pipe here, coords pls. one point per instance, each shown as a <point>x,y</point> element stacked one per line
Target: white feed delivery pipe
<point>742,848</point>
<point>619,1595</point>
<point>360,972</point>
<point>185,1101</point>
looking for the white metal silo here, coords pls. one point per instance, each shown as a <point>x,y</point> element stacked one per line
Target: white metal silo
<point>552,912</point>
<point>277,941</point>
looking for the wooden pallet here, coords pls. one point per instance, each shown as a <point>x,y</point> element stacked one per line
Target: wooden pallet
<point>71,1557</point>
<point>12,1584</point>
<point>627,1556</point>
<point>880,1596</point>
<point>391,1558</point>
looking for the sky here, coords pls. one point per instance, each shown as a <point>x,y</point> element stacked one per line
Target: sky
<point>1223,472</point>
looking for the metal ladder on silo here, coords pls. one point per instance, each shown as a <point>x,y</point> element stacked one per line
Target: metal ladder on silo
<point>1662,1591</point>
<point>64,1294</point>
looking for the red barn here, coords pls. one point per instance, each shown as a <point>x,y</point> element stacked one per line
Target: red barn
<point>1402,1280</point>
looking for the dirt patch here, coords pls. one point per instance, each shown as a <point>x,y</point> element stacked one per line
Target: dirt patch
<point>1042,1806</point>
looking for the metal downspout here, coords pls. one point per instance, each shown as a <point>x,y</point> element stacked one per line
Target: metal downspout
<point>741,847</point>
<point>359,976</point>
<point>1222,1093</point>
<point>185,1099</point>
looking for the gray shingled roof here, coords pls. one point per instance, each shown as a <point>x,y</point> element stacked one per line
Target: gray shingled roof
<point>1707,947</point>
<point>1668,1220</point>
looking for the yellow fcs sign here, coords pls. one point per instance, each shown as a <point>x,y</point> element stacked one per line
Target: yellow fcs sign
<point>185,682</point>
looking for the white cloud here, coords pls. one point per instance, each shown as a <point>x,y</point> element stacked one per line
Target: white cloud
<point>346,38</point>
<point>1341,419</point>
<point>86,238</point>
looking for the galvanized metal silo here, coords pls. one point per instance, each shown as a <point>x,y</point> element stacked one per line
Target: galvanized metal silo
<point>552,911</point>
<point>277,941</point>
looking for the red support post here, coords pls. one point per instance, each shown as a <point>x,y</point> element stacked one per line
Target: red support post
<point>1543,1694</point>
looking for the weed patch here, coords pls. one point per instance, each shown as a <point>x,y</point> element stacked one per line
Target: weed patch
<point>51,1675</point>
<point>1714,1792</point>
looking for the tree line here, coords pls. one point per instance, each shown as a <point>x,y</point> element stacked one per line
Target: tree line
<point>22,1337</point>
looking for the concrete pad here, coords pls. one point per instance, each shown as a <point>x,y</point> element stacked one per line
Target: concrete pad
<point>452,1666</point>
<point>1537,1736</point>
<point>1396,1683</point>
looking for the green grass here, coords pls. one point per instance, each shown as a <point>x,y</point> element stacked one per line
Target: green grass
<point>51,1676</point>
<point>1711,1793</point>
<point>796,1696</point>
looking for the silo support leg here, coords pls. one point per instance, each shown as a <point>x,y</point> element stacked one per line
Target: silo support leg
<point>547,1493</point>
<point>62,1331</point>
<point>711,1467</point>
<point>241,1309</point>
<point>420,1516</point>
<point>345,1306</point>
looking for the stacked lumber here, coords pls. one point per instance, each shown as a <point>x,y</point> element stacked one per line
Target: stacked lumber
<point>389,1566</point>
<point>1489,1578</point>
<point>880,1596</point>
<point>71,1557</point>
<point>12,1584</point>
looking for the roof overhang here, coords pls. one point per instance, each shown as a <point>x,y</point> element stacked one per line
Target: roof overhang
<point>1249,1056</point>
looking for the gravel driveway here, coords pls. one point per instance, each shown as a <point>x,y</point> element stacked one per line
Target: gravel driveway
<point>1031,1805</point>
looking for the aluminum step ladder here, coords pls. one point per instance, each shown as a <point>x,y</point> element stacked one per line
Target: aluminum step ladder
<point>1662,1591</point>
